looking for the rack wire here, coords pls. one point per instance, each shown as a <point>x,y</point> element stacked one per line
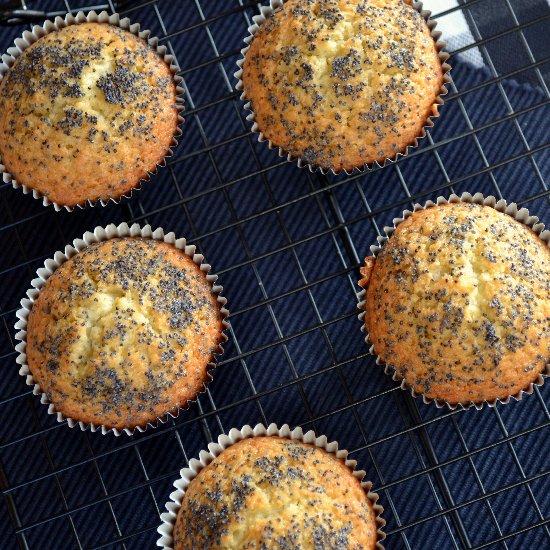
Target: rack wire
<point>287,245</point>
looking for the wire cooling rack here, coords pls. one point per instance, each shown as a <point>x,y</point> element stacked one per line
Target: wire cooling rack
<point>287,245</point>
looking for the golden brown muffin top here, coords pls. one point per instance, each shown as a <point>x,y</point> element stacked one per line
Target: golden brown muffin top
<point>458,302</point>
<point>122,332</point>
<point>272,492</point>
<point>339,83</point>
<point>85,112</point>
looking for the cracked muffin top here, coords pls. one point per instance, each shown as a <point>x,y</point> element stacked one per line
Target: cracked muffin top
<point>122,333</point>
<point>458,303</point>
<point>85,113</point>
<point>273,492</point>
<point>340,84</point>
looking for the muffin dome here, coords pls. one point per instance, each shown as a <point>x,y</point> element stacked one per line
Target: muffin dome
<point>123,333</point>
<point>340,84</point>
<point>458,303</point>
<point>85,113</point>
<point>272,492</point>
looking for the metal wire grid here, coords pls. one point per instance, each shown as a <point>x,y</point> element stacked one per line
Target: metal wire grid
<point>404,445</point>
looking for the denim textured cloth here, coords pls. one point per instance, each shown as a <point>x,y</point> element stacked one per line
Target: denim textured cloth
<point>287,245</point>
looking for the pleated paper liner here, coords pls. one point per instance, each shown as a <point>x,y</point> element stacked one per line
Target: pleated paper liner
<point>98,235</point>
<point>265,13</point>
<point>225,441</point>
<point>520,214</point>
<point>38,31</point>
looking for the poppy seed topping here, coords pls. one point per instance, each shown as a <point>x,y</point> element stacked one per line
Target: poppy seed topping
<point>340,84</point>
<point>123,332</point>
<point>272,492</point>
<point>458,303</point>
<point>85,113</point>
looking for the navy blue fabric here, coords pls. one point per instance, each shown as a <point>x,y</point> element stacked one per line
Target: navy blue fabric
<point>491,17</point>
<point>300,333</point>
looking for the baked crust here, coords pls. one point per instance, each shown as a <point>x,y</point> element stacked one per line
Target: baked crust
<point>272,492</point>
<point>458,303</point>
<point>85,113</point>
<point>122,333</point>
<point>340,84</point>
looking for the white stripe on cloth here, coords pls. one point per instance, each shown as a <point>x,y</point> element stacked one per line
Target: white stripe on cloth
<point>455,29</point>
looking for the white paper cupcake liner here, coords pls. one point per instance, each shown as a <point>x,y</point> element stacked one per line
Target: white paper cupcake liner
<point>224,441</point>
<point>265,13</point>
<point>520,214</point>
<point>102,234</point>
<point>38,31</point>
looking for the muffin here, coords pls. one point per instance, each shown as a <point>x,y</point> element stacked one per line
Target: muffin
<point>342,84</point>
<point>123,333</point>
<point>273,492</point>
<point>85,113</point>
<point>458,303</point>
